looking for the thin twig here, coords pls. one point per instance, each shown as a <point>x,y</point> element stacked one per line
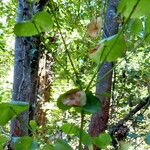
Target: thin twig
<point>81,129</point>
<point>111,48</point>
<point>67,51</point>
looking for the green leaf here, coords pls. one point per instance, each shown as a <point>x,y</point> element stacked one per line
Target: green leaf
<point>147,30</point>
<point>136,26</point>
<point>130,45</point>
<point>93,104</point>
<point>6,114</point>
<point>110,49</point>
<point>72,129</point>
<point>40,22</point>
<point>103,140</point>
<point>18,107</point>
<point>62,145</point>
<point>25,29</point>
<point>33,125</point>
<point>3,140</point>
<point>43,21</point>
<point>147,25</point>
<point>24,143</point>
<point>10,110</point>
<point>59,145</point>
<point>142,9</point>
<point>147,139</point>
<point>48,147</point>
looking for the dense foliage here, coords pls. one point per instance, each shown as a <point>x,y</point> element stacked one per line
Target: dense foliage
<point>63,28</point>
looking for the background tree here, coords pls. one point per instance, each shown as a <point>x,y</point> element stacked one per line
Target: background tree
<point>27,55</point>
<point>99,120</point>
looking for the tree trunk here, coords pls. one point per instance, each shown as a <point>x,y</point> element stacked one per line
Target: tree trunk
<point>26,62</point>
<point>44,87</point>
<point>99,120</point>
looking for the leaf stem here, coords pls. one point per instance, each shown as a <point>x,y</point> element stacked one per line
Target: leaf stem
<point>81,129</point>
<point>100,65</point>
<point>131,51</point>
<point>67,51</point>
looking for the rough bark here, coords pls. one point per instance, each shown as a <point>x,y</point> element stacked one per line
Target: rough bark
<point>99,120</point>
<point>44,87</point>
<point>21,85</point>
<point>26,61</point>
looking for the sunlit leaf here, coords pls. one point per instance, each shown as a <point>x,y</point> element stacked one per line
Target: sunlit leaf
<point>59,145</point>
<point>10,110</point>
<point>18,106</point>
<point>72,129</point>
<point>23,143</point>
<point>110,49</point>
<point>93,104</point>
<point>142,8</point>
<point>33,125</point>
<point>103,140</point>
<point>3,140</point>
<point>136,26</point>
<point>62,145</point>
<point>25,29</point>
<point>147,30</point>
<point>43,21</point>
<point>48,147</point>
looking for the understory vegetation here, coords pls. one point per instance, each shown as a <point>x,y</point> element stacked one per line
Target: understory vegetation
<point>74,45</point>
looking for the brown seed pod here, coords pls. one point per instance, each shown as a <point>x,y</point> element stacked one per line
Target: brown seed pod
<point>94,27</point>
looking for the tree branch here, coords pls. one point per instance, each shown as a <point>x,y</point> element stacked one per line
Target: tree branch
<point>40,5</point>
<point>134,111</point>
<point>43,2</point>
<point>120,128</point>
